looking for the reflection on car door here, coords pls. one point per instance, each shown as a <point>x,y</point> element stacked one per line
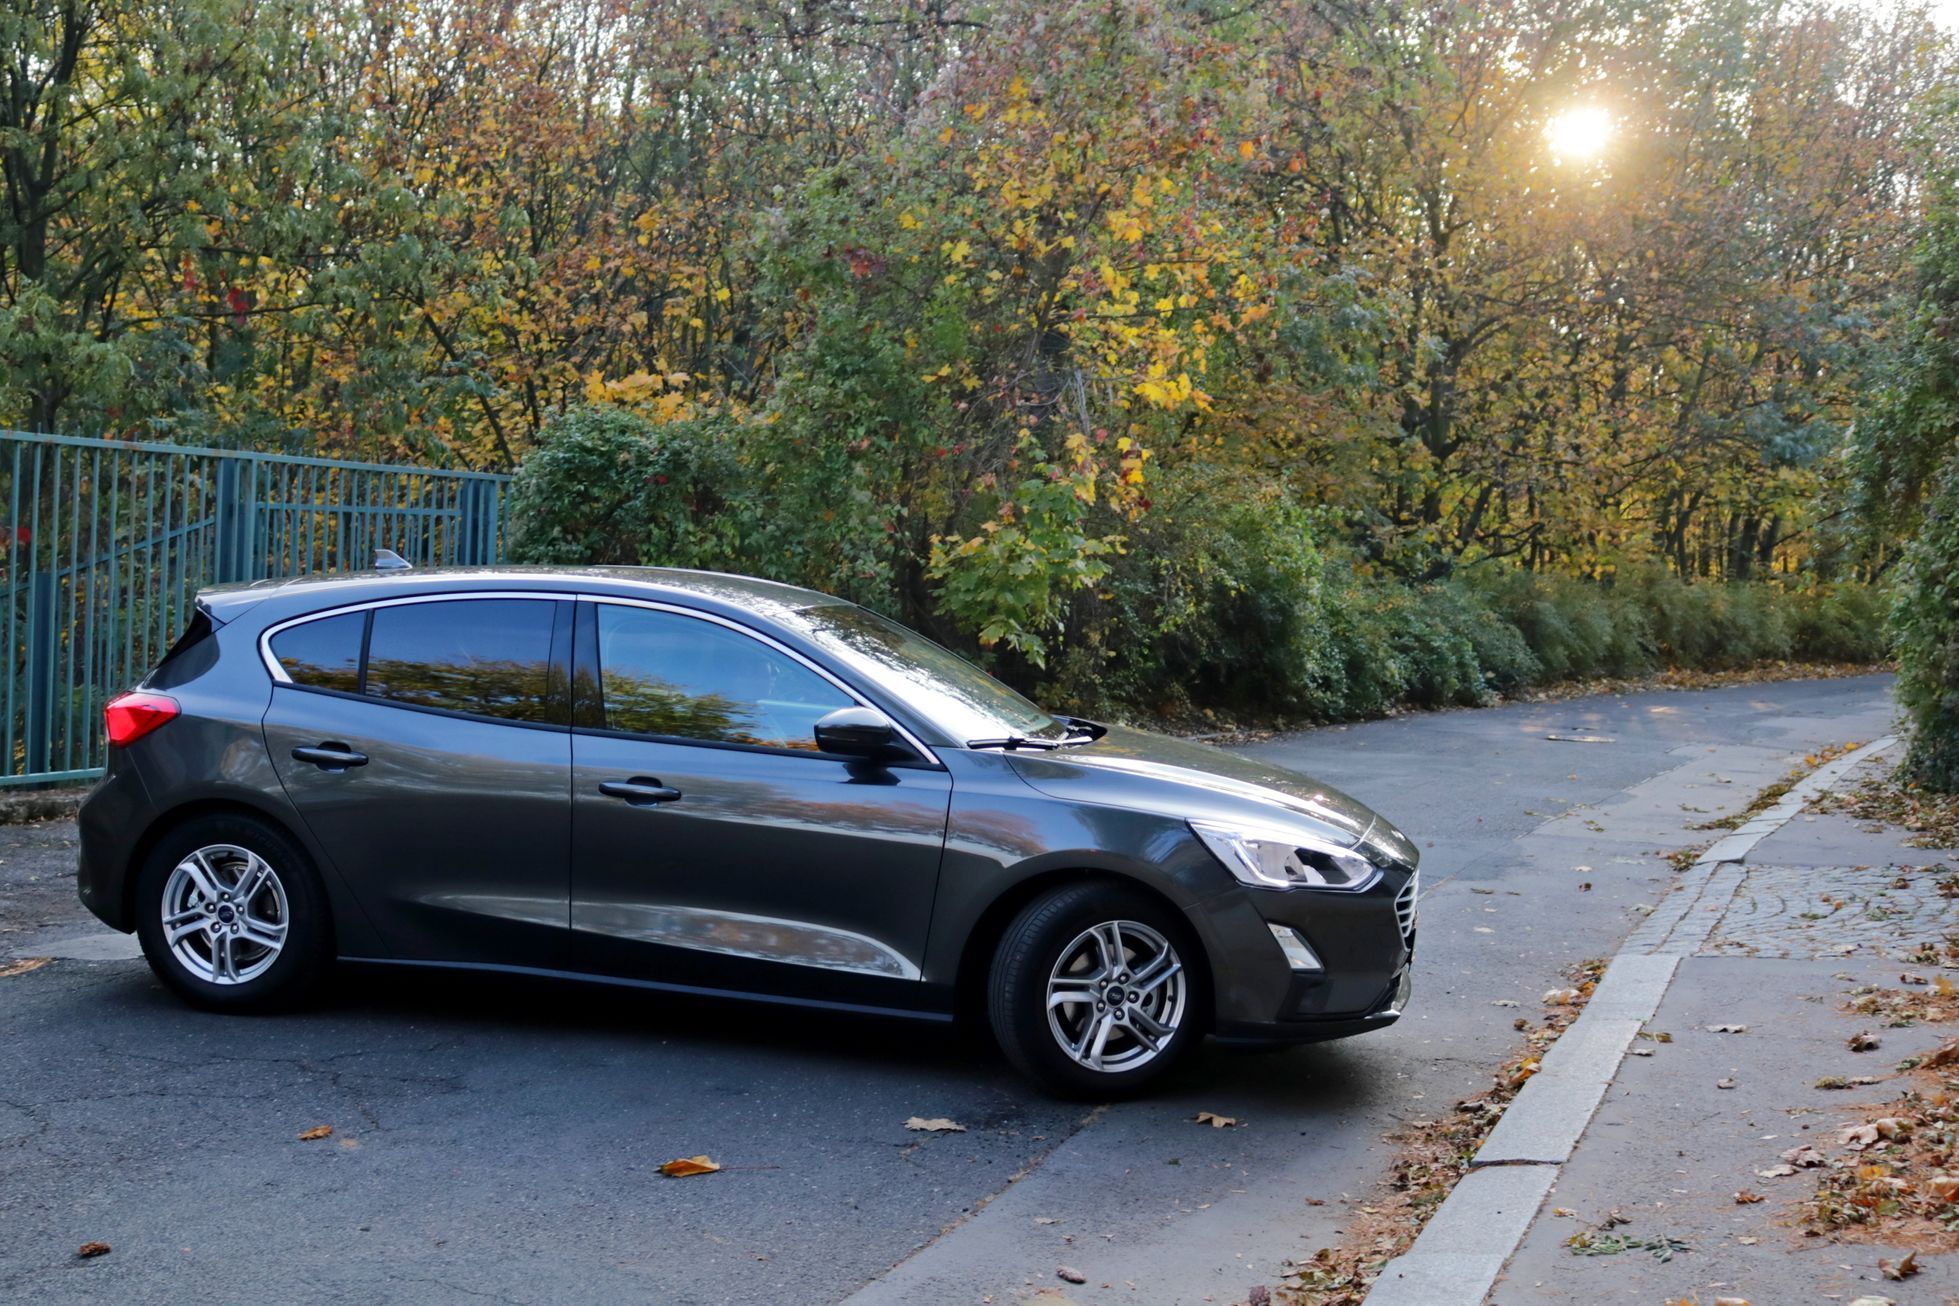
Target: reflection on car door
<point>426,747</point>
<point>712,844</point>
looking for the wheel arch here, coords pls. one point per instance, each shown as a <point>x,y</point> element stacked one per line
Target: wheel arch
<point>196,809</point>
<point>976,958</point>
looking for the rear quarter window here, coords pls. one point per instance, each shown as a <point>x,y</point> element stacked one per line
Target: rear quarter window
<point>323,654</point>
<point>194,653</point>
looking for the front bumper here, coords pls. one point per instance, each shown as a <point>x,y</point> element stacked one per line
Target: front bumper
<point>1364,942</point>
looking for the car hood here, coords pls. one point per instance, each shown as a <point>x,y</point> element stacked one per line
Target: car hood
<point>1134,768</point>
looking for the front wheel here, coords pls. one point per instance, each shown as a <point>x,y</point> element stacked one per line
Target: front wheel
<point>231,916</point>
<point>1094,991</point>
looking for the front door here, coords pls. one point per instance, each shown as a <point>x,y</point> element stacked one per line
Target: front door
<point>426,746</point>
<point>712,844</point>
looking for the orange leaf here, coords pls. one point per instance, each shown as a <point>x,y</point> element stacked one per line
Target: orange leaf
<point>688,1165</point>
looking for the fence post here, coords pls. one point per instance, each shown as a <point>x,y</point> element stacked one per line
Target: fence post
<point>234,520</point>
<point>478,523</point>
<point>40,670</point>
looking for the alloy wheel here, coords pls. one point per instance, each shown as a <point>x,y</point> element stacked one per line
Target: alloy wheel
<point>224,914</point>
<point>1116,996</point>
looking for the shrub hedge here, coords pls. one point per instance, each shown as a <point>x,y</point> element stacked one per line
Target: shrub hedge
<point>1220,596</point>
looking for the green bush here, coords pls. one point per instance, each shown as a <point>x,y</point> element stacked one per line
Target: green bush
<point>1213,601</point>
<point>1839,623</point>
<point>1573,628</point>
<point>608,486</point>
<point>1925,621</point>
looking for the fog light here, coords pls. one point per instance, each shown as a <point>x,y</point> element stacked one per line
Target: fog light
<point>1298,955</point>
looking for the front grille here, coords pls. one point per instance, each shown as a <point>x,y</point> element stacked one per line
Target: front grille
<point>1404,907</point>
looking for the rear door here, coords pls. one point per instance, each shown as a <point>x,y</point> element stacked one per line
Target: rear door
<point>426,744</point>
<point>713,844</point>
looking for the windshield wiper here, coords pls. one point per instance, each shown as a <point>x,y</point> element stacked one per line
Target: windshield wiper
<point>1086,732</point>
<point>1012,742</point>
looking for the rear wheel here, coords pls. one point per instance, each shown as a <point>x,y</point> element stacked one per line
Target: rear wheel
<point>1094,992</point>
<point>232,917</point>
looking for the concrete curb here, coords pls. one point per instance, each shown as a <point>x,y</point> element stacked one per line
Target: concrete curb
<point>1464,1247</point>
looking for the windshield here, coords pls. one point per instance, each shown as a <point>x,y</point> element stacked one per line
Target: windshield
<point>935,682</point>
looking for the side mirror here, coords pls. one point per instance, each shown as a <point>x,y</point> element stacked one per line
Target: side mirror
<point>861,732</point>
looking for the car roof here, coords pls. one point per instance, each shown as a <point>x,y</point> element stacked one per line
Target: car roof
<point>287,596</point>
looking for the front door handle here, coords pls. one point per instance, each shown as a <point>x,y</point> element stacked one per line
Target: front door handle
<point>330,756</point>
<point>640,791</point>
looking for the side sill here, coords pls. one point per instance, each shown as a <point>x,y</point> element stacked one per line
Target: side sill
<point>657,986</point>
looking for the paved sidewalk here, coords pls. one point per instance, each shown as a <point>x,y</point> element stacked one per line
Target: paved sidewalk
<point>1776,943</point>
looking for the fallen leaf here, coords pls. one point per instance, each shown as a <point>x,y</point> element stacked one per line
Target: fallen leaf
<point>1747,1197</point>
<point>1945,1187</point>
<point>1727,1029</point>
<point>92,1249</point>
<point>1776,1172</point>
<point>936,1125</point>
<point>1724,1083</point>
<point>1068,1275</point>
<point>684,1166</point>
<point>1943,987</point>
<point>1260,1295</point>
<point>1731,1301</point>
<point>1899,1271</point>
<point>1804,1156</point>
<point>1641,1052</point>
<point>1504,1002</point>
<point>21,966</point>
<point>1748,1242</point>
<point>1945,1056</point>
<point>1832,1081</point>
<point>316,1133</point>
<point>1560,997</point>
<point>1859,1137</point>
<point>1213,1120</point>
<point>1872,1301</point>
<point>1909,978</point>
<point>1863,1041</point>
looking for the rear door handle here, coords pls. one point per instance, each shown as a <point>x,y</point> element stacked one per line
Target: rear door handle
<point>640,791</point>
<point>330,757</point>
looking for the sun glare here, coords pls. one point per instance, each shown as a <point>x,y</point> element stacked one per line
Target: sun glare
<point>1579,134</point>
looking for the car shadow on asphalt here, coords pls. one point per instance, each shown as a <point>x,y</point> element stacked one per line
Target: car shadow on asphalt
<point>503,1013</point>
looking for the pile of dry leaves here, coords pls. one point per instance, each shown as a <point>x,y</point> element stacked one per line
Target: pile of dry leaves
<point>1897,1179</point>
<point>1933,819</point>
<point>1894,1175</point>
<point>1430,1156</point>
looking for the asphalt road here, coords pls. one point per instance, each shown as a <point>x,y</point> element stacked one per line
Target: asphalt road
<point>500,1140</point>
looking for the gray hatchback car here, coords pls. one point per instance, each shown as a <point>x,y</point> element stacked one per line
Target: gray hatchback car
<point>715,785</point>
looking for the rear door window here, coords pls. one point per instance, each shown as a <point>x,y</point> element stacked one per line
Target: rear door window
<point>486,657</point>
<point>661,673</point>
<point>323,654</point>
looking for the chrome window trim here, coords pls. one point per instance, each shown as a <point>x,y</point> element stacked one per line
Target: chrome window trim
<point>278,672</point>
<point>776,644</point>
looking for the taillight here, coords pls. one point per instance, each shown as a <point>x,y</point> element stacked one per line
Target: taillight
<point>131,716</point>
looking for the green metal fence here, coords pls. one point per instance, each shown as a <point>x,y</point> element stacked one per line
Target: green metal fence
<point>106,543</point>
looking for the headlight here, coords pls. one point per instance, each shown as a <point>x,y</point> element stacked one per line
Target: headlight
<point>1284,859</point>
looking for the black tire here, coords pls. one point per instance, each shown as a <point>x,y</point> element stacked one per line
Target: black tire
<point>1051,928</point>
<point>299,965</point>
